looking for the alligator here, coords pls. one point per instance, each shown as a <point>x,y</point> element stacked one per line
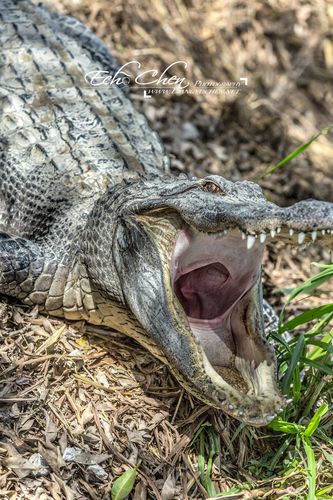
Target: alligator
<point>94,227</point>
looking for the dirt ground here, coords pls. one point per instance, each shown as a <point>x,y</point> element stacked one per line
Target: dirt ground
<point>91,403</point>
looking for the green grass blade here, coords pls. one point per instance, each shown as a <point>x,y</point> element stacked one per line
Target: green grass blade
<point>325,344</point>
<point>280,452</point>
<point>296,152</point>
<point>201,458</point>
<point>309,285</point>
<point>232,493</point>
<point>315,392</point>
<point>213,443</point>
<point>306,316</point>
<point>320,325</point>
<point>295,358</point>
<point>320,367</point>
<point>315,421</point>
<point>312,283</point>
<point>286,427</point>
<point>240,427</point>
<point>311,467</point>
<point>324,491</point>
<point>280,340</point>
<point>297,385</point>
<point>207,483</point>
<point>199,431</point>
<point>321,347</point>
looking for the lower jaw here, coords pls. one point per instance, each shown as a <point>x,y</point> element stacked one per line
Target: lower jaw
<point>217,340</point>
<point>235,347</point>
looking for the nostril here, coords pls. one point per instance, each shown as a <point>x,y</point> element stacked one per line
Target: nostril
<point>211,187</point>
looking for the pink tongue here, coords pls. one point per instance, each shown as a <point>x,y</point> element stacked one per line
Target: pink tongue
<point>199,291</point>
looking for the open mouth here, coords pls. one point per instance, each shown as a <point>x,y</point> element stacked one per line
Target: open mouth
<point>211,274</point>
<point>216,278</point>
<point>195,258</point>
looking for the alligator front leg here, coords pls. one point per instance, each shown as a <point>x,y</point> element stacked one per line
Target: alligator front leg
<point>30,274</point>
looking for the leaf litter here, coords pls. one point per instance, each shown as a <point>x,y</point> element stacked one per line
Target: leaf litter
<point>80,406</point>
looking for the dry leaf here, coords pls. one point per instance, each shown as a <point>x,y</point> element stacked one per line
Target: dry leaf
<point>51,340</point>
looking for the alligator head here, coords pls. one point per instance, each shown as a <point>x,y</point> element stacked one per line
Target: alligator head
<point>187,254</point>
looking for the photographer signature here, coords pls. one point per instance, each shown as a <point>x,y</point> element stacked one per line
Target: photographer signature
<point>150,77</point>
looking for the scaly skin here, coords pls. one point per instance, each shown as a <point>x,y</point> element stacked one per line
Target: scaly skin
<point>89,214</point>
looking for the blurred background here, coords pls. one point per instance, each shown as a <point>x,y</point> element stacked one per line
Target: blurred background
<point>283,47</point>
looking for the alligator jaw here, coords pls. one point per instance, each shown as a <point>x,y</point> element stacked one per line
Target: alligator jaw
<point>189,261</point>
<point>216,279</point>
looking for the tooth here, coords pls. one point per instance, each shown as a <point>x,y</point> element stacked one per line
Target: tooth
<point>243,235</point>
<point>262,237</point>
<point>225,231</point>
<point>278,230</point>
<point>323,232</point>
<point>250,241</point>
<point>301,238</point>
<point>314,235</point>
<point>273,233</point>
<point>291,232</point>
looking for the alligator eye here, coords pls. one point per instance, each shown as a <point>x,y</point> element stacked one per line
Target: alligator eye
<point>211,187</point>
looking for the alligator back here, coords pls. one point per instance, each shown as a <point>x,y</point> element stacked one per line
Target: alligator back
<point>62,140</point>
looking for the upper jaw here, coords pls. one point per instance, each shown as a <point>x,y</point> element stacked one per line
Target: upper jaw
<point>214,204</point>
<point>263,218</point>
